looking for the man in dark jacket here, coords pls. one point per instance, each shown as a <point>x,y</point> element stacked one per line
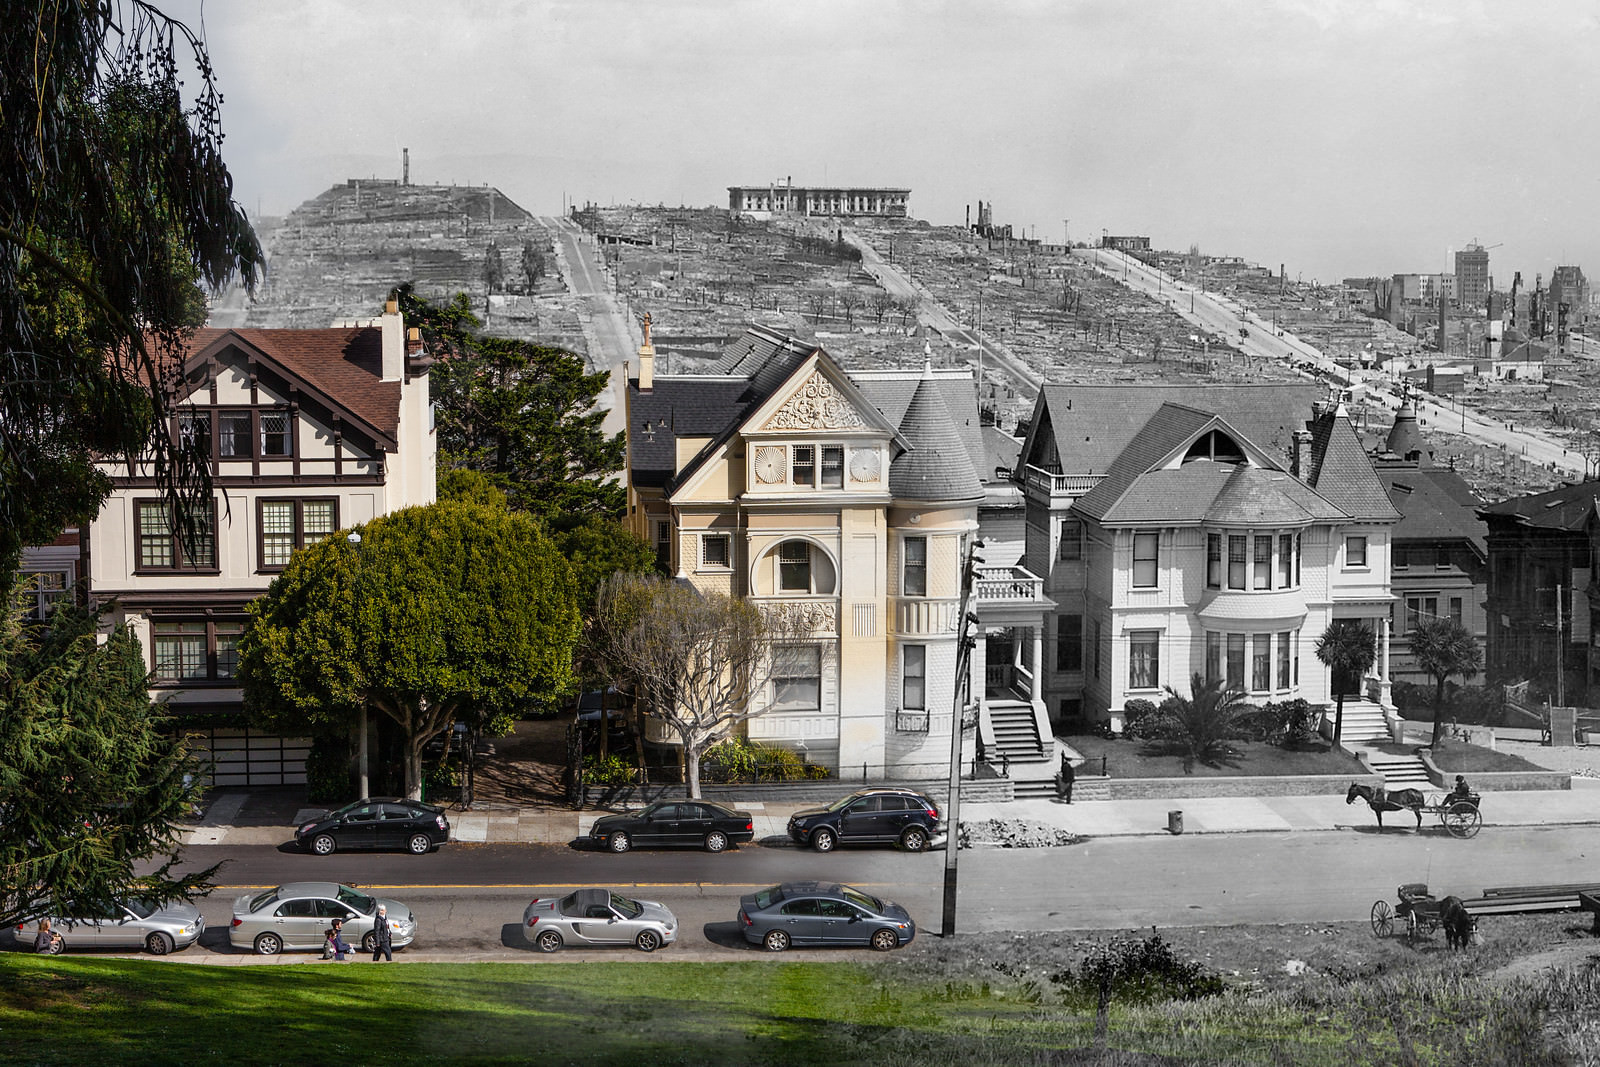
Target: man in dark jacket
<point>1064,779</point>
<point>383,937</point>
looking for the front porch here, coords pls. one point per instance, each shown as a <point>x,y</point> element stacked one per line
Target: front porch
<point>1009,612</point>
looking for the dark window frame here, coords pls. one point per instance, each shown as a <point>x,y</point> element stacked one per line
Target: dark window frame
<point>914,573</point>
<point>298,536</point>
<point>214,658</point>
<point>178,556</point>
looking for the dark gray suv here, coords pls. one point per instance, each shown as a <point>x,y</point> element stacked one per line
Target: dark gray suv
<point>871,817</point>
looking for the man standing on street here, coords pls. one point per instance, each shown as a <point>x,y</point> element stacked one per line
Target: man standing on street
<point>383,937</point>
<point>1065,778</point>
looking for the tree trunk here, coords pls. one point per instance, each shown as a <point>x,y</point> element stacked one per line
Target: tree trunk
<point>1438,714</point>
<point>414,767</point>
<point>691,761</point>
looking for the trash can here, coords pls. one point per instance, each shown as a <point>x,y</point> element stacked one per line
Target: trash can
<point>1175,822</point>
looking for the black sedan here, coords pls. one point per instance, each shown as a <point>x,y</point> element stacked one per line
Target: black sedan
<point>398,823</point>
<point>675,822</point>
<point>822,915</point>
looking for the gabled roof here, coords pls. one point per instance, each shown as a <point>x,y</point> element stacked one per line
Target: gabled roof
<point>1566,508</point>
<point>1435,504</point>
<point>342,366</point>
<point>1163,431</point>
<point>936,465</point>
<point>1341,470</point>
<point>892,393</point>
<point>1093,424</point>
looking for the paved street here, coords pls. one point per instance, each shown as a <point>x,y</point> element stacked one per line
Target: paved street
<point>611,340</point>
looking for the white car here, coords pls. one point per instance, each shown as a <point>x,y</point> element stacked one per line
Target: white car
<point>157,928</point>
<point>298,915</point>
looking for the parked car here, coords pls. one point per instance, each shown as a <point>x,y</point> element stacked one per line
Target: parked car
<point>822,914</point>
<point>597,917</point>
<point>397,823</point>
<point>675,822</point>
<point>297,915</point>
<point>871,816</point>
<point>157,928</point>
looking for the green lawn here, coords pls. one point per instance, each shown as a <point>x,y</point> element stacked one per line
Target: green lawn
<point>1146,759</point>
<point>104,1011</point>
<point>1458,757</point>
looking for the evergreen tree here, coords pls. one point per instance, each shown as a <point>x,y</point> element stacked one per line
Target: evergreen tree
<point>92,782</point>
<point>1444,647</point>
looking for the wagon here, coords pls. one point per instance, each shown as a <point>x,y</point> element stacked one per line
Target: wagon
<point>1457,813</point>
<point>1417,910</point>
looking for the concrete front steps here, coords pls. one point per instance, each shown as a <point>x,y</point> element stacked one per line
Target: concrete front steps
<point>1399,772</point>
<point>1016,733</point>
<point>1363,722</point>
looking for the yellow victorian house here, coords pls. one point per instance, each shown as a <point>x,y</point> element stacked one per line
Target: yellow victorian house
<point>848,502</point>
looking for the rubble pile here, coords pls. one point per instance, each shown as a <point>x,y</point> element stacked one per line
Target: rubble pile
<point>1014,833</point>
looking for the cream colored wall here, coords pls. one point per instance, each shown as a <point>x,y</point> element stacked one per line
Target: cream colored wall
<point>863,640</point>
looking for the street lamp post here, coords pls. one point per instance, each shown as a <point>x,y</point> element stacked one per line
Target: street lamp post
<point>958,707</point>
<point>354,540</point>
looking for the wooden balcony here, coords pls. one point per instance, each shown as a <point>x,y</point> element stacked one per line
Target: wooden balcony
<point>1054,484</point>
<point>1014,585</point>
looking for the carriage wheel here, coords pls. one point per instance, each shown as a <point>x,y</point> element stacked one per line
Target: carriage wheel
<point>1413,927</point>
<point>1462,819</point>
<point>1382,919</point>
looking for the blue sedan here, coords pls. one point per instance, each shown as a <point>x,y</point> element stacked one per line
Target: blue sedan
<point>822,914</point>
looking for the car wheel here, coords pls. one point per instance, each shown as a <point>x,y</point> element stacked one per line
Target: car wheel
<point>618,842</point>
<point>370,942</point>
<point>884,940</point>
<point>549,941</point>
<point>269,945</point>
<point>158,944</point>
<point>775,941</point>
<point>823,840</point>
<point>322,844</point>
<point>419,844</point>
<point>716,841</point>
<point>647,941</point>
<point>914,840</point>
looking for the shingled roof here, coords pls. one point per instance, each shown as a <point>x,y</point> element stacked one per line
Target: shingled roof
<point>1341,471</point>
<point>1435,504</point>
<point>344,365</point>
<point>892,395</point>
<point>1566,508</point>
<point>936,466</point>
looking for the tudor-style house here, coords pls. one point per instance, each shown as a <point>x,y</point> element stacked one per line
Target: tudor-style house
<point>1201,529</point>
<point>851,500</point>
<point>308,432</point>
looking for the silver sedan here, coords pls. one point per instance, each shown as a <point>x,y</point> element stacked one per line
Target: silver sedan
<point>597,917</point>
<point>298,915</point>
<point>157,928</point>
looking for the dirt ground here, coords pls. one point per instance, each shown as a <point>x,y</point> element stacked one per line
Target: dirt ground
<point>527,764</point>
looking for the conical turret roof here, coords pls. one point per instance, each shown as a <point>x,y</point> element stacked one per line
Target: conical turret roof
<point>936,466</point>
<point>1404,437</point>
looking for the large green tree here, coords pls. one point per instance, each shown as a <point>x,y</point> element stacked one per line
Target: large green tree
<point>1444,647</point>
<point>91,784</point>
<point>115,205</point>
<point>444,613</point>
<point>1346,648</point>
<point>524,414</point>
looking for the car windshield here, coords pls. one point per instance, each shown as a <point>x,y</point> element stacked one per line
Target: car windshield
<point>766,898</point>
<point>265,900</point>
<point>844,802</point>
<point>628,909</point>
<point>857,897</point>
<point>359,901</point>
<point>142,909</point>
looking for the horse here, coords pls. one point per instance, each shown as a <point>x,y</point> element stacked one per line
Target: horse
<point>1380,801</point>
<point>1460,927</point>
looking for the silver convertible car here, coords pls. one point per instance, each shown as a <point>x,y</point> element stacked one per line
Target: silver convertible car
<point>297,916</point>
<point>157,928</point>
<point>590,917</point>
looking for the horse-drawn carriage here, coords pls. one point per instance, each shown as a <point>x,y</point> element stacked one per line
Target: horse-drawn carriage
<point>1422,915</point>
<point>1457,812</point>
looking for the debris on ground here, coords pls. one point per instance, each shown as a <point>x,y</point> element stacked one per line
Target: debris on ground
<point>1014,833</point>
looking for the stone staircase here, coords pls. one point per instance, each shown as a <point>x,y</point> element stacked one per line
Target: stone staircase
<point>1399,772</point>
<point>1029,758</point>
<point>1363,722</point>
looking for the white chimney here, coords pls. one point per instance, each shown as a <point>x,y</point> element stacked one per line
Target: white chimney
<point>394,343</point>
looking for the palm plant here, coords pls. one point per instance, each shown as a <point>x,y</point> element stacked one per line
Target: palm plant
<point>1345,647</point>
<point>1207,718</point>
<point>1444,647</point>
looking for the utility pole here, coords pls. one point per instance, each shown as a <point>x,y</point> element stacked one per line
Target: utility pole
<point>958,707</point>
<point>1561,673</point>
<point>1066,236</point>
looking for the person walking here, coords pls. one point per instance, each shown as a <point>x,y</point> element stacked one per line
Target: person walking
<point>47,941</point>
<point>337,949</point>
<point>1065,779</point>
<point>382,936</point>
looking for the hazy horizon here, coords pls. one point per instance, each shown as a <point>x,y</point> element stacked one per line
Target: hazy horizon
<point>1340,138</point>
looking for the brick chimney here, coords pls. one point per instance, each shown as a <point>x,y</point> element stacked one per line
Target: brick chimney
<point>647,360</point>
<point>394,344</point>
<point>1300,461</point>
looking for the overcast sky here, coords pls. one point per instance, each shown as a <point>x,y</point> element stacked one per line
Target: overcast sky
<point>1341,137</point>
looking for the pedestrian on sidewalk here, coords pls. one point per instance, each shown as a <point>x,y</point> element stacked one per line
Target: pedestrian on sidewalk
<point>336,949</point>
<point>47,940</point>
<point>1065,779</point>
<point>383,937</point>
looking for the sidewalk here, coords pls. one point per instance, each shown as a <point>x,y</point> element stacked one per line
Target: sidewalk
<point>223,822</point>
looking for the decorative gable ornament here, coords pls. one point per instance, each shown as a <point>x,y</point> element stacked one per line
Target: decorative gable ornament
<point>816,405</point>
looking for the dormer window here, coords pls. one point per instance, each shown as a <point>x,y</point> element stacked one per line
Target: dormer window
<point>1215,446</point>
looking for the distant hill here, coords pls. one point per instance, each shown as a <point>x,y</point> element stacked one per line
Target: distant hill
<point>337,256</point>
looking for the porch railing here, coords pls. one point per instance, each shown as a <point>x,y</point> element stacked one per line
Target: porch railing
<point>995,584</point>
<point>1055,484</point>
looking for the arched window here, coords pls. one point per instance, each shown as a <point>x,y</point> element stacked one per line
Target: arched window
<point>803,569</point>
<point>1216,446</point>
